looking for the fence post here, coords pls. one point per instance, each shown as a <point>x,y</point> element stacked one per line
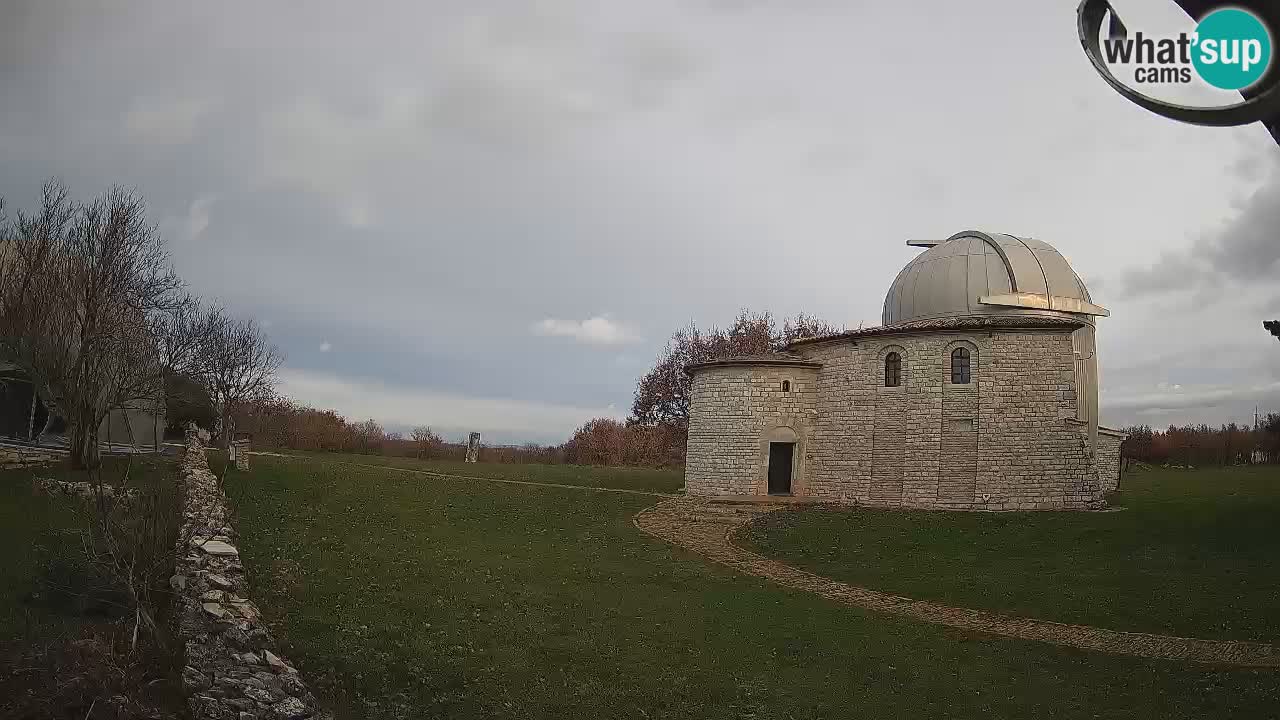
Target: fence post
<point>240,453</point>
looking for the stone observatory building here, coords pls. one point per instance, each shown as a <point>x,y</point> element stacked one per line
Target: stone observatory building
<point>978,392</point>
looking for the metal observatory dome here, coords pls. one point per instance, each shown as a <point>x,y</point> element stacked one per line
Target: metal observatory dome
<point>980,273</point>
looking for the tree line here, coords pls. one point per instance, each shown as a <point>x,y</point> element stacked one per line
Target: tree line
<point>280,423</point>
<point>1200,445</point>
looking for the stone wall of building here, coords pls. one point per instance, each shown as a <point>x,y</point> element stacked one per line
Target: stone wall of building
<point>1032,457</point>
<point>1001,442</point>
<point>233,671</point>
<point>1109,441</point>
<point>735,411</point>
<point>879,445</point>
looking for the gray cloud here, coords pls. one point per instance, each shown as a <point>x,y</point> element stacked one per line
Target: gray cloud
<point>166,122</point>
<point>1177,270</point>
<point>1244,249</point>
<point>1269,307</point>
<point>1178,404</point>
<point>416,185</point>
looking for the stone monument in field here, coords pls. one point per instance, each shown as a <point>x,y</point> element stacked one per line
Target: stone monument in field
<point>240,454</point>
<point>473,447</point>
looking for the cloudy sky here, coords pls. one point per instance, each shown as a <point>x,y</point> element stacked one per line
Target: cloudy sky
<point>491,216</point>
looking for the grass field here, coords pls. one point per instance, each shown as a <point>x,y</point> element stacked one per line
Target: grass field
<point>623,478</point>
<point>1191,553</point>
<point>404,595</point>
<point>44,573</point>
<point>65,647</point>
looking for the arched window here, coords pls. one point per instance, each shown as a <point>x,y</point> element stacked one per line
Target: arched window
<point>786,386</point>
<point>892,370</point>
<point>960,366</point>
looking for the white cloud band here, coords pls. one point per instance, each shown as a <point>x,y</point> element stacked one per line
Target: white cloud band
<point>598,330</point>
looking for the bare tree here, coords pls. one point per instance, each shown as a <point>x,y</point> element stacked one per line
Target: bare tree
<point>369,436</point>
<point>82,285</point>
<point>662,394</point>
<point>91,310</point>
<point>241,365</point>
<point>425,440</point>
<point>183,333</point>
<point>26,250</point>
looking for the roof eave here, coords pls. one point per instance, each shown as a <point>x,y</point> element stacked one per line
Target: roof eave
<point>748,362</point>
<point>975,324</point>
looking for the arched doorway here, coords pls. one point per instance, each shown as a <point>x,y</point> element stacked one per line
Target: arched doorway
<point>782,460</point>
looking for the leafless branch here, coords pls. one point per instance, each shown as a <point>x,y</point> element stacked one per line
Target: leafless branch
<point>82,287</point>
<point>242,366</point>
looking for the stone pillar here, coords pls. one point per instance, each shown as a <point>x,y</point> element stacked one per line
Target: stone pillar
<point>473,447</point>
<point>240,454</point>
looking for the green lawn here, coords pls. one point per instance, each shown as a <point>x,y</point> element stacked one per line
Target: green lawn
<point>1191,553</point>
<point>65,650</point>
<point>404,595</point>
<point>47,587</point>
<point>647,479</point>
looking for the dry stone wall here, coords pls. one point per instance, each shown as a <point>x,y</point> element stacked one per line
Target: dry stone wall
<point>21,457</point>
<point>82,490</point>
<point>734,412</point>
<point>233,671</point>
<point>1008,440</point>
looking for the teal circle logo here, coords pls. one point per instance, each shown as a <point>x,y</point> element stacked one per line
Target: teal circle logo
<point>1232,49</point>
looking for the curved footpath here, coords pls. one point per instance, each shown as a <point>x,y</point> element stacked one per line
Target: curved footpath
<point>707,528</point>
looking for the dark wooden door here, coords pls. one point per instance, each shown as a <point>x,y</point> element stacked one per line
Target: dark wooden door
<point>780,455</point>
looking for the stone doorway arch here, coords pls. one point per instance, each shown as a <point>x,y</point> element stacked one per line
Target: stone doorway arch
<point>782,449</point>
